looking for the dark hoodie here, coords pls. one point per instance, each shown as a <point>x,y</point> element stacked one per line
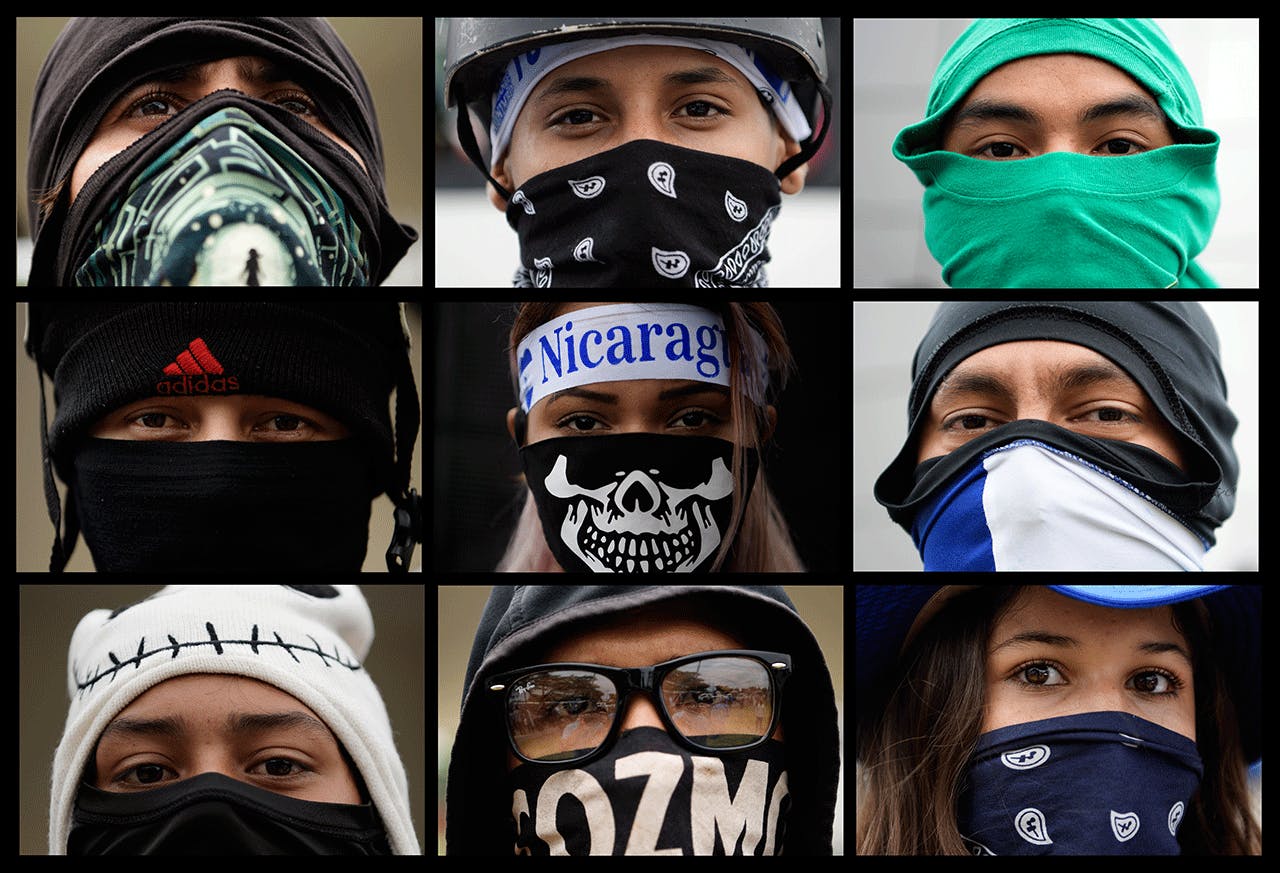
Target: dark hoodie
<point>521,619</point>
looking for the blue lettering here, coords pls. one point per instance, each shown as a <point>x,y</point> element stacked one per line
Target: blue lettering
<point>582,349</point>
<point>568,347</point>
<point>547,353</point>
<point>708,364</point>
<point>645,329</point>
<point>673,347</point>
<point>620,351</point>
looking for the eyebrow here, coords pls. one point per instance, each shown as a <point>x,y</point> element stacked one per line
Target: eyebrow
<point>175,727</point>
<point>1062,379</point>
<point>987,109</point>
<point>586,84</point>
<point>254,69</point>
<point>612,399</point>
<point>1040,637</point>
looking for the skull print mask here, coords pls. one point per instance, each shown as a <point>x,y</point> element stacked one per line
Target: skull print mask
<point>634,503</point>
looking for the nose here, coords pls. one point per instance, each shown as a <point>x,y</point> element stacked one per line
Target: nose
<point>640,712</point>
<point>637,493</point>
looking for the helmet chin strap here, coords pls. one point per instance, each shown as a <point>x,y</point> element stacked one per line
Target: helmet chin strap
<point>467,139</point>
<point>810,148</point>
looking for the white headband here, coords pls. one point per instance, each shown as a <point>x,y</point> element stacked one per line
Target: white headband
<point>632,341</point>
<point>526,70</point>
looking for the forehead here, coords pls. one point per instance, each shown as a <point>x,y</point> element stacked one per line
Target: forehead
<point>641,67</point>
<point>1054,81</point>
<point>1030,365</point>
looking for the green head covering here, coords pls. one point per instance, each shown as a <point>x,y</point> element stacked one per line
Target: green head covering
<point>1064,219</point>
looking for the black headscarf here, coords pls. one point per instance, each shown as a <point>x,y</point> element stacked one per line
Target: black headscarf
<point>1169,349</point>
<point>95,60</point>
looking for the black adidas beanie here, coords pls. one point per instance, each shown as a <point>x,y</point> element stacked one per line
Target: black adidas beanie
<point>341,358</point>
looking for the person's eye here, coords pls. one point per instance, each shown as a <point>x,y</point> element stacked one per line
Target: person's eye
<point>1109,415</point>
<point>692,419</point>
<point>278,767</point>
<point>1156,682</point>
<point>701,109</point>
<point>577,117</point>
<point>1000,151</point>
<point>1038,674</point>
<point>149,424</point>
<point>1120,146</point>
<point>579,422</point>
<point>969,422</point>
<point>154,105</point>
<point>144,776</point>
<point>297,102</point>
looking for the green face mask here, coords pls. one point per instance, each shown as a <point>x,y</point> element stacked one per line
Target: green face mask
<point>1064,219</point>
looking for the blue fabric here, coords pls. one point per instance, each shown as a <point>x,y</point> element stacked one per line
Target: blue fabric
<point>1097,783</point>
<point>951,532</point>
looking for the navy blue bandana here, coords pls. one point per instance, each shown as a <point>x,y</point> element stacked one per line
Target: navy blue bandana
<point>227,204</point>
<point>1098,783</point>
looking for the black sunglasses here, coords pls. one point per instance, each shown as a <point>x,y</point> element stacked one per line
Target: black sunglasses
<point>721,701</point>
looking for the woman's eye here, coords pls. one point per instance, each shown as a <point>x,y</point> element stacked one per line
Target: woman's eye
<point>694,418</point>
<point>701,109</point>
<point>1040,675</point>
<point>580,423</point>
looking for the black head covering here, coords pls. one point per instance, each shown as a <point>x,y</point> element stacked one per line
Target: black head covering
<point>1170,349</point>
<point>95,60</point>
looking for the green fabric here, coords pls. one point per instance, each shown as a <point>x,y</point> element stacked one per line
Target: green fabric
<point>1064,219</point>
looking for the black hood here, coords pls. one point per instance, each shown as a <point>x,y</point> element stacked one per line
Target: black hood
<point>520,619</point>
<point>1169,349</point>
<point>96,60</point>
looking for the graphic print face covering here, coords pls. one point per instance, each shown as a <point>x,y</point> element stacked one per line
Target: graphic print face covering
<point>634,503</point>
<point>1098,783</point>
<point>646,214</point>
<point>228,204</point>
<point>651,796</point>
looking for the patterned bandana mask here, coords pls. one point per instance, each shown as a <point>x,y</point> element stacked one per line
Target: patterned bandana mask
<point>646,214</point>
<point>1098,783</point>
<point>228,204</point>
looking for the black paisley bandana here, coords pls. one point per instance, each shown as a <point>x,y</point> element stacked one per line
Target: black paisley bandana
<point>228,204</point>
<point>646,214</point>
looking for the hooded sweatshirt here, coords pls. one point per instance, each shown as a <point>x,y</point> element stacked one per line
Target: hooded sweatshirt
<point>521,621</point>
<point>1132,221</point>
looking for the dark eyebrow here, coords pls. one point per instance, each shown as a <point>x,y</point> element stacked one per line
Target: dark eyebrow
<point>254,69</point>
<point>1067,378</point>
<point>572,85</point>
<point>250,722</point>
<point>1150,647</point>
<point>986,109</point>
<point>585,394</point>
<point>1038,636</point>
<point>123,728</point>
<point>699,76</point>
<point>175,727</point>
<point>1129,104</point>
<point>692,389</point>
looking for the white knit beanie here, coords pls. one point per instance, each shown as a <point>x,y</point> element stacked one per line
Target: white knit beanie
<point>307,640</point>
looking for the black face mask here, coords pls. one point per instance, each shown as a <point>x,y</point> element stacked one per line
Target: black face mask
<point>646,214</point>
<point>634,503</point>
<point>219,506</point>
<point>648,795</point>
<point>213,814</point>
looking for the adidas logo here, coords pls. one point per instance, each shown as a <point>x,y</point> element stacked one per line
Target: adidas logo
<point>191,372</point>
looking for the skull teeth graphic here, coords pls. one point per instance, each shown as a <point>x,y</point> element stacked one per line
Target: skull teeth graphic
<point>640,553</point>
<point>639,523</point>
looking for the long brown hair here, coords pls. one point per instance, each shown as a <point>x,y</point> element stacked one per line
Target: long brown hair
<point>914,756</point>
<point>762,542</point>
